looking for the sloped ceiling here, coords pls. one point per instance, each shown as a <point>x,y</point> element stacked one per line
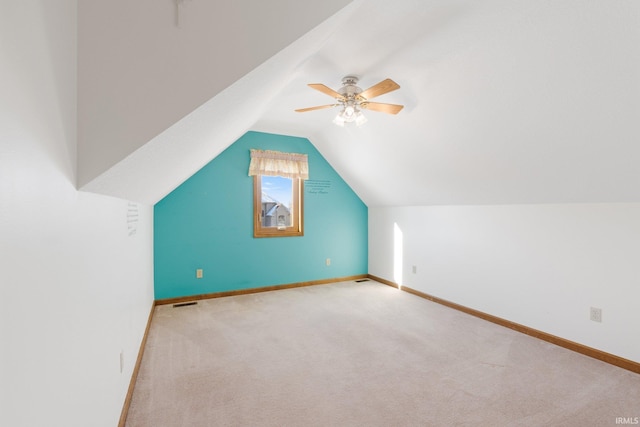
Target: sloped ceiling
<point>505,102</point>
<point>145,65</point>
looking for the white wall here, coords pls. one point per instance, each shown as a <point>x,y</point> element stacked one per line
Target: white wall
<point>542,266</point>
<point>75,287</point>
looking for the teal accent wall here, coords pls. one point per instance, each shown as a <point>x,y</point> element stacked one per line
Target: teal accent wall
<point>207,223</point>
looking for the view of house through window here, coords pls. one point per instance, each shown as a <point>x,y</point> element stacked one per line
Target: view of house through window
<point>277,205</point>
<point>277,201</point>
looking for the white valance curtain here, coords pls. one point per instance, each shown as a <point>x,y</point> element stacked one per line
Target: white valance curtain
<point>276,163</point>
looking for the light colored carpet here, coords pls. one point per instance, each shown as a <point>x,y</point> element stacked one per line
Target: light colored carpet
<point>363,354</point>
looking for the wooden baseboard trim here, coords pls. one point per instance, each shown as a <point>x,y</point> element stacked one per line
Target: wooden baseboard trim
<point>383,281</point>
<point>191,298</point>
<point>136,369</point>
<point>612,359</point>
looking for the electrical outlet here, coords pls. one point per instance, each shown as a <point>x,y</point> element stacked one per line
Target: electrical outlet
<point>199,273</point>
<point>596,314</point>
<point>328,262</point>
<point>414,269</point>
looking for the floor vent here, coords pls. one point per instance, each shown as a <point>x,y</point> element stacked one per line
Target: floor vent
<point>362,280</point>
<point>185,304</point>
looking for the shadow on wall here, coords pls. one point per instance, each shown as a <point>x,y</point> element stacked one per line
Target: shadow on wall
<point>62,68</point>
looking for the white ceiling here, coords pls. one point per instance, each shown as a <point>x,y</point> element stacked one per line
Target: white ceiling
<point>510,101</point>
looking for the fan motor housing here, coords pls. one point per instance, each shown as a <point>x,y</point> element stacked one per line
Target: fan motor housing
<point>349,88</point>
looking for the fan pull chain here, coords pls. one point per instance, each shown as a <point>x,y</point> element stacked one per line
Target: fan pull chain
<point>178,3</point>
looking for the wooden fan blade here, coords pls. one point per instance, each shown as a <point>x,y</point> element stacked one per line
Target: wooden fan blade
<point>381,88</point>
<point>383,108</point>
<point>326,90</point>
<point>319,107</point>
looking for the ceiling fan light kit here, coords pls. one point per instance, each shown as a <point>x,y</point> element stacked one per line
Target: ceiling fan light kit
<point>352,100</point>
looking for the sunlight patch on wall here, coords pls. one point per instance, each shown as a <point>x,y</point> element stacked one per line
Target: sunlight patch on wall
<point>397,254</point>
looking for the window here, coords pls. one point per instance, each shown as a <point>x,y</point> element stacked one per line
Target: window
<point>278,193</point>
<point>277,206</point>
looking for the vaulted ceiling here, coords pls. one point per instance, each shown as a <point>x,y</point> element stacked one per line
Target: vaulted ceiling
<point>506,101</point>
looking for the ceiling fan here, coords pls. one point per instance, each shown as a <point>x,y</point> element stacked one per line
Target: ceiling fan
<point>353,100</point>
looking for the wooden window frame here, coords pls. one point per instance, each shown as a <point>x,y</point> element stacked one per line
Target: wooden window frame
<point>297,227</point>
